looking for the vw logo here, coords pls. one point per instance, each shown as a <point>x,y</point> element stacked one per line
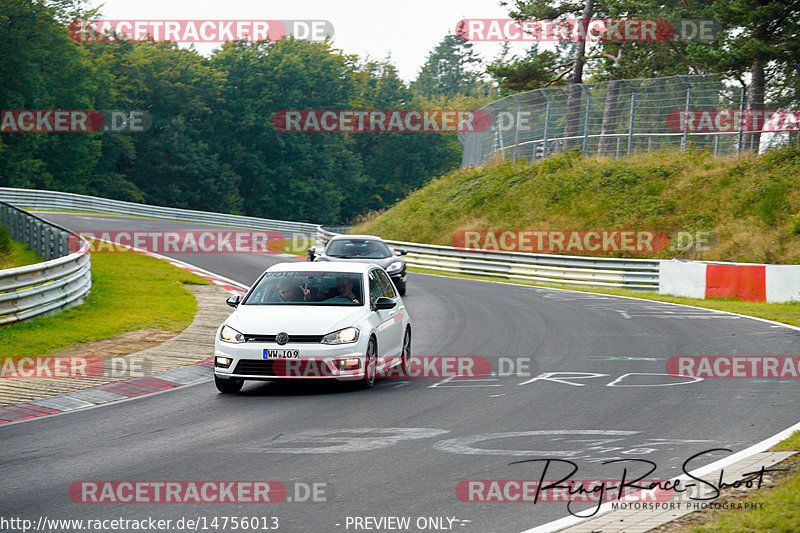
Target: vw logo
<point>282,338</point>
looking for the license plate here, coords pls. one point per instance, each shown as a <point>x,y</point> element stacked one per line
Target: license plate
<point>281,354</point>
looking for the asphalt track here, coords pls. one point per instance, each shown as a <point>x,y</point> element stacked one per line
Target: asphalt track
<point>401,448</point>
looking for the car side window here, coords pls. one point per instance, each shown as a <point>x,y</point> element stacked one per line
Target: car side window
<point>375,288</point>
<point>388,286</point>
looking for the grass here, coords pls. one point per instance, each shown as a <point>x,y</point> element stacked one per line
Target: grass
<point>750,205</point>
<point>130,291</point>
<point>780,512</point>
<point>789,445</point>
<point>15,254</point>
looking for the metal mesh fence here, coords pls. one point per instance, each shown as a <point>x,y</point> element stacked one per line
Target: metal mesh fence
<point>613,118</point>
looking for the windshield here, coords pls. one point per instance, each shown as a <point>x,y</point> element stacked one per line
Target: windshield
<point>358,248</point>
<point>307,288</point>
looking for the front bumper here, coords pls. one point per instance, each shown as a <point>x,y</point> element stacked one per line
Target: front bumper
<point>314,361</point>
<point>398,277</point>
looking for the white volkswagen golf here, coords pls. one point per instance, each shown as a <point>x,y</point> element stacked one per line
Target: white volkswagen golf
<point>340,321</point>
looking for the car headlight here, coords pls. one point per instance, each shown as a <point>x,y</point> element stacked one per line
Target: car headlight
<point>343,336</point>
<point>228,334</point>
<point>394,267</point>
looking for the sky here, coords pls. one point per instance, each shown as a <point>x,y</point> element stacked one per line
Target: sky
<point>406,30</point>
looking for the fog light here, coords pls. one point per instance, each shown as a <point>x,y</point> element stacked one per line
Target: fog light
<point>224,362</point>
<point>349,364</point>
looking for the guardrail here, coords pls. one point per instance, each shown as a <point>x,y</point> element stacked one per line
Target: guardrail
<point>636,274</point>
<point>65,201</point>
<point>62,281</point>
<point>781,282</point>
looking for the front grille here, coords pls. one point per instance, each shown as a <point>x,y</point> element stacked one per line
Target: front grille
<point>306,339</point>
<point>255,367</point>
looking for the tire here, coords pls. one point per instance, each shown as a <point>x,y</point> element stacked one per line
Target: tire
<point>406,354</point>
<point>370,363</point>
<point>401,288</point>
<point>228,386</point>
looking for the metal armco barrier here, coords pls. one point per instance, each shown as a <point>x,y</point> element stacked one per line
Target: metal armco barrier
<point>65,201</point>
<point>62,281</point>
<point>636,274</point>
<point>782,282</point>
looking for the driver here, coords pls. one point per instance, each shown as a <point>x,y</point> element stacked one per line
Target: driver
<point>344,287</point>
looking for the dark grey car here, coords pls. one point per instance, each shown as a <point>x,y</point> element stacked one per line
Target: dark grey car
<point>365,249</point>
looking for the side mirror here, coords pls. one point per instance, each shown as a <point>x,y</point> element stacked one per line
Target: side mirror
<point>233,301</point>
<point>312,252</point>
<point>384,303</point>
<point>400,251</point>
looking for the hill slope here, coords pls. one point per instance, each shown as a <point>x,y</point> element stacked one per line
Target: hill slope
<point>751,205</point>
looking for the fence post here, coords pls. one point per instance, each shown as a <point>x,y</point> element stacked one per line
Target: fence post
<point>516,126</point>
<point>685,136</point>
<point>632,116</point>
<point>546,122</point>
<point>585,146</point>
<point>742,103</point>
<point>498,141</point>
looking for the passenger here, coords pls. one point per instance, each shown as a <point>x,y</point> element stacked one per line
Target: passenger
<point>291,291</point>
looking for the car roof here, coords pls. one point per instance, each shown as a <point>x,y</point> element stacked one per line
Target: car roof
<point>332,266</point>
<point>359,237</point>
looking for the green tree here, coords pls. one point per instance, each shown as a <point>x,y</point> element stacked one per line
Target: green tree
<point>41,68</point>
<point>761,37</point>
<point>451,68</point>
<point>297,176</point>
<point>398,163</point>
<point>535,70</point>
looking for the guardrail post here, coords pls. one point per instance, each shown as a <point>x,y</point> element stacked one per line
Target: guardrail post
<point>26,236</point>
<point>48,243</point>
